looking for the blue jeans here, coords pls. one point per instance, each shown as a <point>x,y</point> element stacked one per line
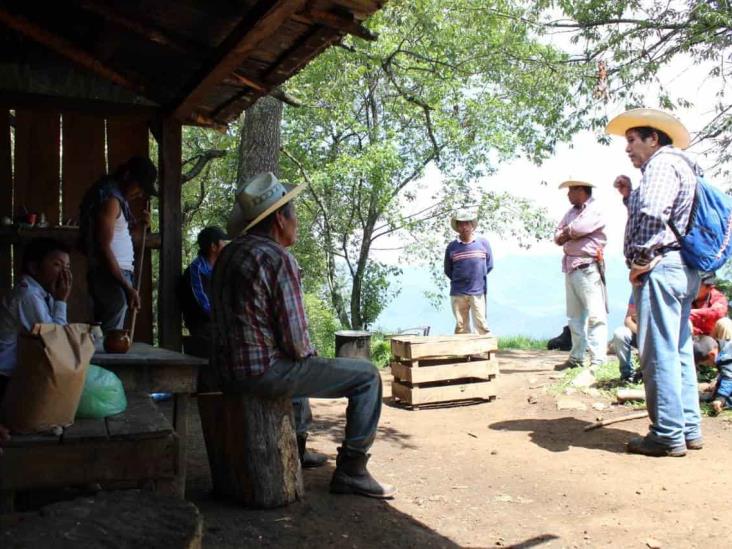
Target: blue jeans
<point>109,297</point>
<point>356,379</point>
<point>724,391</point>
<point>666,353</point>
<point>623,342</point>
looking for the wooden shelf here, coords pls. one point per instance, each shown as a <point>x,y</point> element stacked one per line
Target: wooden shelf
<point>68,234</point>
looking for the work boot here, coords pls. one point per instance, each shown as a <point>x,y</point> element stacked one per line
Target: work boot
<point>649,447</point>
<point>352,477</point>
<point>308,459</point>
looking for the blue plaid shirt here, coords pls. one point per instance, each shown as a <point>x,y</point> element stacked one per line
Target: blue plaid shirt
<point>665,193</point>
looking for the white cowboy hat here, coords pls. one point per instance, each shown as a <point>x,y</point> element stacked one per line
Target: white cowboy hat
<point>463,215</point>
<point>574,183</point>
<point>258,197</point>
<point>653,118</point>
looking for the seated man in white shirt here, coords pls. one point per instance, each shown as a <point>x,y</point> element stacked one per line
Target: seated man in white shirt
<point>38,297</point>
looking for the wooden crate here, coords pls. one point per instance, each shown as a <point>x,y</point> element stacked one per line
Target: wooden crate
<point>435,369</point>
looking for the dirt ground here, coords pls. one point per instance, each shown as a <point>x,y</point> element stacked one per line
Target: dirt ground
<point>504,473</point>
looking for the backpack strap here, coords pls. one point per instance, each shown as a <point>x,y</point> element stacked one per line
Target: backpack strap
<point>697,171</point>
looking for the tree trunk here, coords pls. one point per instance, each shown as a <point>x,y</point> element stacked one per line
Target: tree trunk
<point>250,439</point>
<point>260,139</point>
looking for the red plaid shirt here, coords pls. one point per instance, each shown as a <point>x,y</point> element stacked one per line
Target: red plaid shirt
<point>705,315</point>
<point>257,308</point>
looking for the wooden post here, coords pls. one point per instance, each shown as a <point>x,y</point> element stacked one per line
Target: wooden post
<point>252,449</point>
<point>171,220</point>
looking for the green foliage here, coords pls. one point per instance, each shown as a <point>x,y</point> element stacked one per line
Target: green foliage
<point>637,39</point>
<point>462,85</point>
<point>380,350</point>
<point>323,325</point>
<point>522,342</point>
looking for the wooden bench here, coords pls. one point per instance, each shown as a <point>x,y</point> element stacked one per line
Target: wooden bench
<point>136,445</point>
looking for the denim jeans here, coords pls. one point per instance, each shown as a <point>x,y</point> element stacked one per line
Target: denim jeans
<point>109,297</point>
<point>356,379</point>
<point>587,315</point>
<point>623,342</point>
<point>666,352</point>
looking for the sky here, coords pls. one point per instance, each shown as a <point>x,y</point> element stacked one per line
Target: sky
<point>526,289</point>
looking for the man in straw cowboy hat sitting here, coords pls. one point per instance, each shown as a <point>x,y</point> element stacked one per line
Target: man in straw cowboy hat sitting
<point>468,260</point>
<point>260,329</point>
<point>663,285</point>
<point>581,233</point>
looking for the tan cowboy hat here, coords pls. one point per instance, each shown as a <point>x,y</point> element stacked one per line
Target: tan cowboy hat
<point>258,197</point>
<point>653,118</point>
<point>463,215</point>
<point>574,183</point>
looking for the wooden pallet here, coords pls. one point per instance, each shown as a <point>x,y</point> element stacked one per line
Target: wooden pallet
<point>436,369</point>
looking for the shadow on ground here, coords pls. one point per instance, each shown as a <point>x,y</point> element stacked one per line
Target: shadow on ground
<point>333,425</point>
<point>321,520</point>
<point>559,435</point>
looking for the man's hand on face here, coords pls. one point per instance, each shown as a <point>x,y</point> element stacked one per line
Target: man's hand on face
<point>623,185</point>
<point>62,287</point>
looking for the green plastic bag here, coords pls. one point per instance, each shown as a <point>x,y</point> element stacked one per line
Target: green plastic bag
<point>103,394</point>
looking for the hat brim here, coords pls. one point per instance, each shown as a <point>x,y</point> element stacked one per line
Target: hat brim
<point>454,222</point>
<point>652,118</point>
<point>237,225</point>
<point>575,183</point>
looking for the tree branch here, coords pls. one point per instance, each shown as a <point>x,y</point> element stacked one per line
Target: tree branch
<point>200,160</point>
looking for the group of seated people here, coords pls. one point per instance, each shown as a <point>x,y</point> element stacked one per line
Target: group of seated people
<point>711,330</point>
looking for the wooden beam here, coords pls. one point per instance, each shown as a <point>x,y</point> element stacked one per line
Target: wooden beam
<point>39,102</point>
<point>198,119</point>
<point>171,221</point>
<point>70,51</point>
<point>288,63</point>
<point>142,28</point>
<point>257,25</point>
<point>236,79</point>
<point>338,22</point>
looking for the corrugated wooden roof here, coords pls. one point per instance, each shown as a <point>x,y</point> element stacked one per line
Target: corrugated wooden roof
<point>204,60</point>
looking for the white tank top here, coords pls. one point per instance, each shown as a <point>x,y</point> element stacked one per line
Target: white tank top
<point>122,244</point>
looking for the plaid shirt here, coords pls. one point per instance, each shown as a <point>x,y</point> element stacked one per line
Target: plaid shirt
<point>257,308</point>
<point>665,193</point>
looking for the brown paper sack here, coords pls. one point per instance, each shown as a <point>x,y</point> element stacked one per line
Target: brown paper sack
<point>46,386</point>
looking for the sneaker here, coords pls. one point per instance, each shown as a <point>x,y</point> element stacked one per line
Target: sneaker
<point>695,443</point>
<point>648,447</point>
<point>567,364</point>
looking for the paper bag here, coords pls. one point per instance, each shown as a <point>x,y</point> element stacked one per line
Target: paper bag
<point>46,386</point>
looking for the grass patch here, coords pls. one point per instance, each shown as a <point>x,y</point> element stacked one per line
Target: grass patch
<point>607,382</point>
<point>522,342</point>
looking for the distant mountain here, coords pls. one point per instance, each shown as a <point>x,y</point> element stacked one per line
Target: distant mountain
<point>525,296</point>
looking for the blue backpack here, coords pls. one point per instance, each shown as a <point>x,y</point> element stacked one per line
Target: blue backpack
<point>706,244</point>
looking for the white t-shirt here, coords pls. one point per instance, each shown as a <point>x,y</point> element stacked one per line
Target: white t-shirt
<point>121,244</point>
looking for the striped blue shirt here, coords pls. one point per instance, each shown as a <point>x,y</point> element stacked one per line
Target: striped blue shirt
<point>467,265</point>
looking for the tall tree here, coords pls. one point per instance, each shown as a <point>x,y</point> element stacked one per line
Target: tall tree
<point>631,42</point>
<point>461,85</point>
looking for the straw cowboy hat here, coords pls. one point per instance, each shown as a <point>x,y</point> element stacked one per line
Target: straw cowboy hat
<point>653,118</point>
<point>574,183</point>
<point>258,197</point>
<point>463,215</point>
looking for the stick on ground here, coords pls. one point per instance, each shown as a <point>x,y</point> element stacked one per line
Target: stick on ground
<point>604,422</point>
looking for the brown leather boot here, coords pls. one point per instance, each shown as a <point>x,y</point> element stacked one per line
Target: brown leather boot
<point>308,459</point>
<point>352,477</point>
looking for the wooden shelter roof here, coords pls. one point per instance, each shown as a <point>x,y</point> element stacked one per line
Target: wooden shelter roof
<point>203,61</point>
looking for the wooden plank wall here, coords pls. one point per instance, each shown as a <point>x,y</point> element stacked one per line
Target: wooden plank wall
<point>57,158</point>
<point>6,199</point>
<point>126,137</point>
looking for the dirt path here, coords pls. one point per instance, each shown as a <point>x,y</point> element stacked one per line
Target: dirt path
<point>505,473</point>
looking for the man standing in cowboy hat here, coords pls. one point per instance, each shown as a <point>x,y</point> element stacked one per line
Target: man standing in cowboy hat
<point>261,342</point>
<point>581,233</point>
<point>663,285</point>
<point>468,260</point>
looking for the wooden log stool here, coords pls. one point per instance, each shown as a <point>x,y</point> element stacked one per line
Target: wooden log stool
<point>130,518</point>
<point>252,448</point>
